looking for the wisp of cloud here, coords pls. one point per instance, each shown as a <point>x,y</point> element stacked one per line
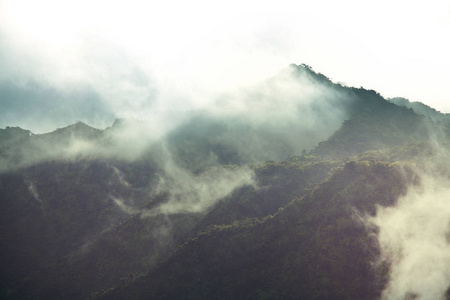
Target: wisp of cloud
<point>414,239</point>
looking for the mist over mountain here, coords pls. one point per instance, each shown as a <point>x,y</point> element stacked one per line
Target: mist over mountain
<point>293,188</point>
<point>421,109</point>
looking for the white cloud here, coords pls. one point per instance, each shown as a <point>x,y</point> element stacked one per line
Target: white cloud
<point>187,52</point>
<point>414,238</point>
<point>193,194</point>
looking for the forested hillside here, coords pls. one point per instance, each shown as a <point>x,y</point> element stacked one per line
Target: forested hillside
<point>288,202</point>
<point>316,247</point>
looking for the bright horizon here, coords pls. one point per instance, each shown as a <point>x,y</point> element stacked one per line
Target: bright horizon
<point>130,57</point>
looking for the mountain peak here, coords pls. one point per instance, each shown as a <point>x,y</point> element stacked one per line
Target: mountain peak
<point>14,133</point>
<point>309,71</point>
<point>79,129</point>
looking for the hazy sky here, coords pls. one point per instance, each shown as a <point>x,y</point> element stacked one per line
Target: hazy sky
<point>133,57</point>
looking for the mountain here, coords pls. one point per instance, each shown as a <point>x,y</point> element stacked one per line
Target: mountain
<point>314,248</point>
<point>421,109</point>
<point>279,194</point>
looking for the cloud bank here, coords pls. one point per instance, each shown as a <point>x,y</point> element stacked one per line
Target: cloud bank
<point>274,119</point>
<point>132,58</point>
<point>414,237</point>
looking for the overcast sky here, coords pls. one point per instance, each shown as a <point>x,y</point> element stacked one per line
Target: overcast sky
<point>63,61</point>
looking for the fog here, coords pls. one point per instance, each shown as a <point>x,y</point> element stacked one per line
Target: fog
<point>131,58</point>
<point>414,234</point>
<point>274,119</point>
<point>193,194</point>
<point>191,150</point>
<point>198,91</point>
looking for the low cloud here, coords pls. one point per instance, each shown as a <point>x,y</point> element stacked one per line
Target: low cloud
<point>414,236</point>
<point>273,120</point>
<point>33,190</point>
<point>189,193</point>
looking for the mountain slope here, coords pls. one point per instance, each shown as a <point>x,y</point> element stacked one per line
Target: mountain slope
<point>315,248</point>
<point>133,243</point>
<point>375,124</point>
<point>421,109</point>
<point>262,203</point>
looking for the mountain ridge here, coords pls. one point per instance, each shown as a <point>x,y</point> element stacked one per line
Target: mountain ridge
<point>218,206</point>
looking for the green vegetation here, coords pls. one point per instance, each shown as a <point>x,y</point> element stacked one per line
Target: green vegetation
<point>314,248</point>
<point>82,219</point>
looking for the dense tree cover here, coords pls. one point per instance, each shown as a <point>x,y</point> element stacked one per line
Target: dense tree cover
<point>51,210</point>
<point>422,109</point>
<point>77,237</point>
<point>79,228</point>
<point>278,184</point>
<point>375,124</point>
<point>317,247</point>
